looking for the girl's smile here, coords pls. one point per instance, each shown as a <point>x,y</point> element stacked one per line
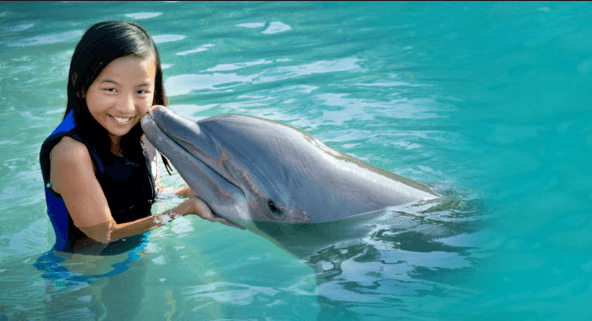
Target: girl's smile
<point>121,120</point>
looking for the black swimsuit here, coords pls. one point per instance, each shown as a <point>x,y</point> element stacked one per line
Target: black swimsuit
<point>128,186</point>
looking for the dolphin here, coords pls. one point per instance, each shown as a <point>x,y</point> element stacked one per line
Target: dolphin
<point>276,180</point>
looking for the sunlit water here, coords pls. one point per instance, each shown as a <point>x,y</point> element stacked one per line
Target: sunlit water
<point>487,103</point>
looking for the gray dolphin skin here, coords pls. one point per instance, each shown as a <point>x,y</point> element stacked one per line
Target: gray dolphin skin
<point>276,180</point>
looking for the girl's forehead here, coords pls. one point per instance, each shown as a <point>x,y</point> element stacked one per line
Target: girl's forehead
<point>130,67</point>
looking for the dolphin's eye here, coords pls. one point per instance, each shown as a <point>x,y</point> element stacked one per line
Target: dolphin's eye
<point>274,208</point>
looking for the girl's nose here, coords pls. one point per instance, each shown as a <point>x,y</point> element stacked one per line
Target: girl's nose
<point>126,104</point>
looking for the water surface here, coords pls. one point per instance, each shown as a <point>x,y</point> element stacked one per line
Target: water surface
<point>487,103</point>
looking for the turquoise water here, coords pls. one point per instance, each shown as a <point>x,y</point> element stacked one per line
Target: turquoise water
<point>488,103</point>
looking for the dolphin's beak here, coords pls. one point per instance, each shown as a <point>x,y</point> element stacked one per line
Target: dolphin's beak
<point>153,124</point>
<point>146,119</point>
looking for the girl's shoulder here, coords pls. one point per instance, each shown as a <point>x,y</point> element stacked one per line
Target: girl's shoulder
<point>71,163</point>
<point>69,151</point>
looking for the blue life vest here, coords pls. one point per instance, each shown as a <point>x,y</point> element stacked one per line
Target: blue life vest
<point>128,186</point>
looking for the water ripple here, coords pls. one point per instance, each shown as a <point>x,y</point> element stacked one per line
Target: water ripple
<point>60,37</point>
<point>276,27</point>
<point>317,67</point>
<point>239,65</point>
<point>31,240</point>
<point>202,48</point>
<point>240,294</point>
<point>185,84</point>
<point>20,27</point>
<point>167,38</point>
<point>251,25</point>
<point>143,15</point>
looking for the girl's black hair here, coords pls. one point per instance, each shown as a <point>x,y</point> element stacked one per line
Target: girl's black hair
<point>100,45</point>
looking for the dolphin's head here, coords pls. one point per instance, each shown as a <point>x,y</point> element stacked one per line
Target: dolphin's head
<point>220,169</point>
<point>259,174</point>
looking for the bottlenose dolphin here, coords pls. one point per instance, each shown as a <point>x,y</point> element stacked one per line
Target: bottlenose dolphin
<point>276,180</point>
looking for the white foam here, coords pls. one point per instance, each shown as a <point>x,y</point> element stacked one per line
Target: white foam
<point>251,25</point>
<point>276,27</point>
<point>202,48</point>
<point>143,15</point>
<point>40,40</point>
<point>167,38</point>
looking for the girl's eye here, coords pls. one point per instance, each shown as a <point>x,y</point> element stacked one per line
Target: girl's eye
<point>111,90</point>
<point>142,92</point>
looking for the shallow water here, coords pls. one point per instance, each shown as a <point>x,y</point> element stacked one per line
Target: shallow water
<point>487,103</point>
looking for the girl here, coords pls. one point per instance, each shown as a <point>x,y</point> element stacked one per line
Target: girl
<point>97,167</point>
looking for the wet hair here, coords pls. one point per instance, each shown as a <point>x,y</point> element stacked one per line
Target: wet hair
<point>100,45</point>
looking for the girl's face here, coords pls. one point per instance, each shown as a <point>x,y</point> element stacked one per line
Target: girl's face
<point>122,93</point>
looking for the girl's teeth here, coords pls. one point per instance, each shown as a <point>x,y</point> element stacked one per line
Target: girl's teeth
<point>121,120</point>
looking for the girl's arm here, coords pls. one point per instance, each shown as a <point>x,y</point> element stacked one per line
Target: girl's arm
<point>73,177</point>
<point>111,231</point>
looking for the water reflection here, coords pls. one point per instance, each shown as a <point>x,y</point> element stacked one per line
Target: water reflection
<point>39,40</point>
<point>187,83</point>
<point>251,25</point>
<point>222,292</point>
<point>345,108</point>
<point>276,27</point>
<point>429,251</point>
<point>86,287</point>
<point>273,27</point>
<point>317,67</point>
<point>158,39</point>
<point>239,65</point>
<point>18,28</point>
<point>202,48</point>
<point>143,15</point>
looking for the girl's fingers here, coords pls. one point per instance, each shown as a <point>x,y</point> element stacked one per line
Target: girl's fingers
<point>204,212</point>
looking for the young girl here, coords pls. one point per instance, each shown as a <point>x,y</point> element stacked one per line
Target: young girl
<point>97,167</point>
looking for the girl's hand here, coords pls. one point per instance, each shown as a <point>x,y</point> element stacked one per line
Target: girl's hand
<point>184,191</point>
<point>198,207</point>
<point>170,192</point>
